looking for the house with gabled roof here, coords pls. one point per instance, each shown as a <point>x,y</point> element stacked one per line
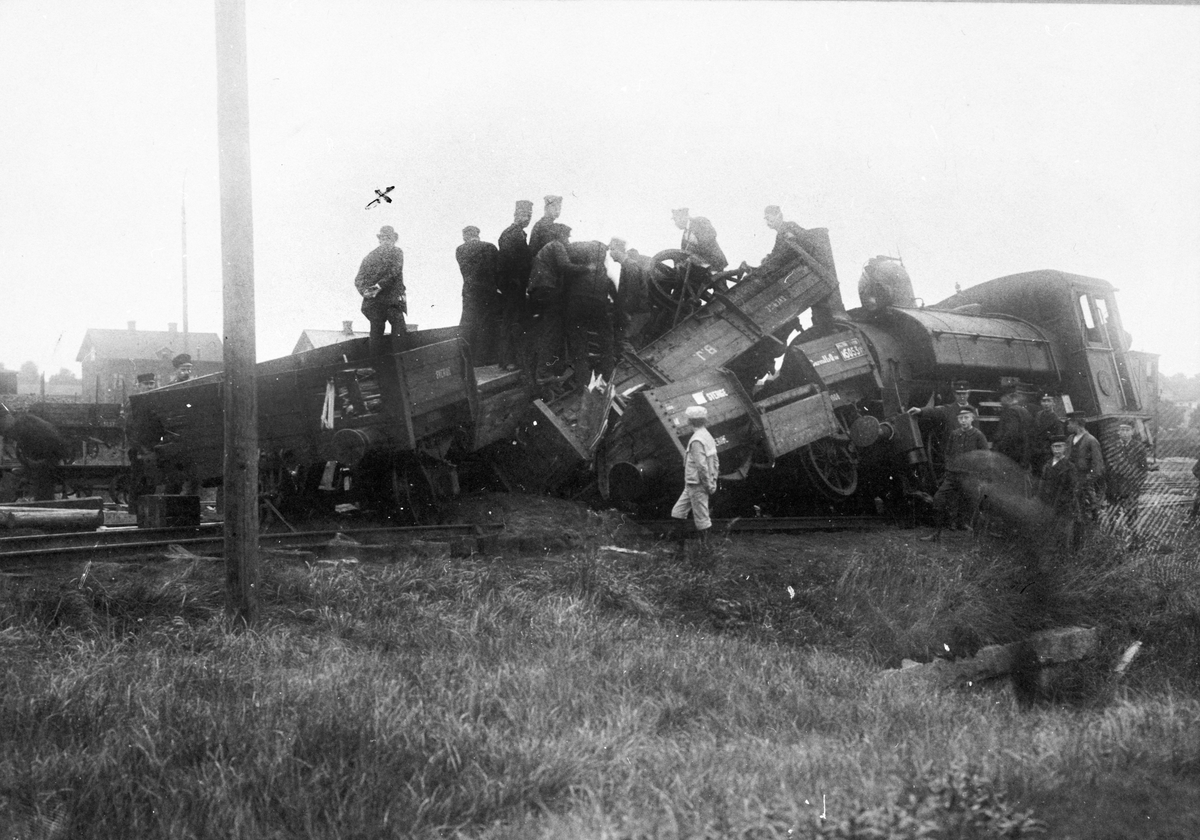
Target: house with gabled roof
<point>312,339</point>
<point>112,360</point>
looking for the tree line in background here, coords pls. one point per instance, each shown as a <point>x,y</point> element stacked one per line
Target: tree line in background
<point>29,375</point>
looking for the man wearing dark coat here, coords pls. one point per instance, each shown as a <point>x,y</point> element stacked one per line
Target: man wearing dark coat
<point>480,320</point>
<point>782,254</point>
<point>1126,478</point>
<point>380,281</point>
<point>590,300</point>
<point>1046,425</point>
<point>552,273</point>
<point>543,230</point>
<point>513,264</point>
<point>951,496</point>
<point>945,417</point>
<point>1014,431</point>
<point>1059,492</point>
<point>634,312</point>
<point>699,239</point>
<point>40,448</point>
<point>1085,453</point>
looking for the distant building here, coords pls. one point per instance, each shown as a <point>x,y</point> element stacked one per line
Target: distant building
<point>112,359</point>
<point>312,339</point>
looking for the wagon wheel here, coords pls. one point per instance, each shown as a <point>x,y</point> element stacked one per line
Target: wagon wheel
<point>678,285</point>
<point>832,467</point>
<point>118,489</point>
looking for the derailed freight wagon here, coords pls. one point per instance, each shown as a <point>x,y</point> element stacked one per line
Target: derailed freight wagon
<point>630,440</point>
<point>338,425</point>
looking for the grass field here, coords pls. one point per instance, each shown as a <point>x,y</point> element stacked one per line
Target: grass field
<point>599,694</point>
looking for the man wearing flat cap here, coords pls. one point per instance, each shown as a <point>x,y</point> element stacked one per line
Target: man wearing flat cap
<point>380,281</point>
<point>1126,479</point>
<point>480,322</point>
<point>553,270</point>
<point>950,502</point>
<point>1087,456</point>
<point>786,232</point>
<point>699,240</point>
<point>945,417</point>
<point>1058,491</point>
<point>700,470</point>
<point>1046,425</point>
<point>513,264</point>
<point>542,231</point>
<point>183,367</point>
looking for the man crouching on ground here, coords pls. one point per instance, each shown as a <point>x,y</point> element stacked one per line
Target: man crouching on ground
<point>700,470</point>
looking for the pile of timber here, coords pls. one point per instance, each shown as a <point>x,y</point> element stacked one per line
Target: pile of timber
<point>84,514</point>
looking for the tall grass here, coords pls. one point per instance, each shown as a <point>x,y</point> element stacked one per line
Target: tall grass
<point>589,695</point>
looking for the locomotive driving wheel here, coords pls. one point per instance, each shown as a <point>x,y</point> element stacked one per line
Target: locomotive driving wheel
<point>678,285</point>
<point>832,466</point>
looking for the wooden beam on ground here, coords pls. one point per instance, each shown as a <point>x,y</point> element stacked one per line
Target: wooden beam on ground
<point>237,253</point>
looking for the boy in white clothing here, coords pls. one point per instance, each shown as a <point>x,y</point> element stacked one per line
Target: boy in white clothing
<point>700,470</point>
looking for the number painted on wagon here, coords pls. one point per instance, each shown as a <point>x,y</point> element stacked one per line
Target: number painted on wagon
<point>441,373</point>
<point>707,348</point>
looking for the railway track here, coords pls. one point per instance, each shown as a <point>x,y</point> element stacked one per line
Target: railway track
<point>209,539</point>
<point>780,524</point>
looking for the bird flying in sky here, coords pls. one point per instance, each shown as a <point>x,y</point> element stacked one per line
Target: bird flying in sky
<point>381,195</point>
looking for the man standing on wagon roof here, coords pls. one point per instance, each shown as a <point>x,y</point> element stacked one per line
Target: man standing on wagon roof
<point>514,262</point>
<point>543,228</point>
<point>380,281</point>
<point>480,321</point>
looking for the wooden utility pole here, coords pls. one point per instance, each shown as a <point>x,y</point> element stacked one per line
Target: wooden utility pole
<point>237,253</point>
<point>183,224</point>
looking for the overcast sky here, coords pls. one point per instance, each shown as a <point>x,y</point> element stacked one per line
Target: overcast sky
<point>970,140</point>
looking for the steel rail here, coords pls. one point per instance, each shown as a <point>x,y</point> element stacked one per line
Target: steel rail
<point>783,524</point>
<point>135,541</point>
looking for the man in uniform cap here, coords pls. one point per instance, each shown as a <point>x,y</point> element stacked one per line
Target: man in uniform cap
<point>1127,477</point>
<point>380,281</point>
<point>699,240</point>
<point>542,232</point>
<point>781,254</point>
<point>145,382</point>
<point>513,264</point>
<point>1085,453</point>
<point>183,367</point>
<point>552,271</point>
<point>1046,425</point>
<point>1059,492</point>
<point>1014,429</point>
<point>945,416</point>
<point>700,470</point>
<point>480,320</point>
<point>951,498</point>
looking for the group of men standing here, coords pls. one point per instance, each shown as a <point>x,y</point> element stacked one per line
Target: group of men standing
<point>1062,463</point>
<point>543,303</point>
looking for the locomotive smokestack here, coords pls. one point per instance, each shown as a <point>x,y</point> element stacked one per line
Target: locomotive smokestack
<point>348,327</point>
